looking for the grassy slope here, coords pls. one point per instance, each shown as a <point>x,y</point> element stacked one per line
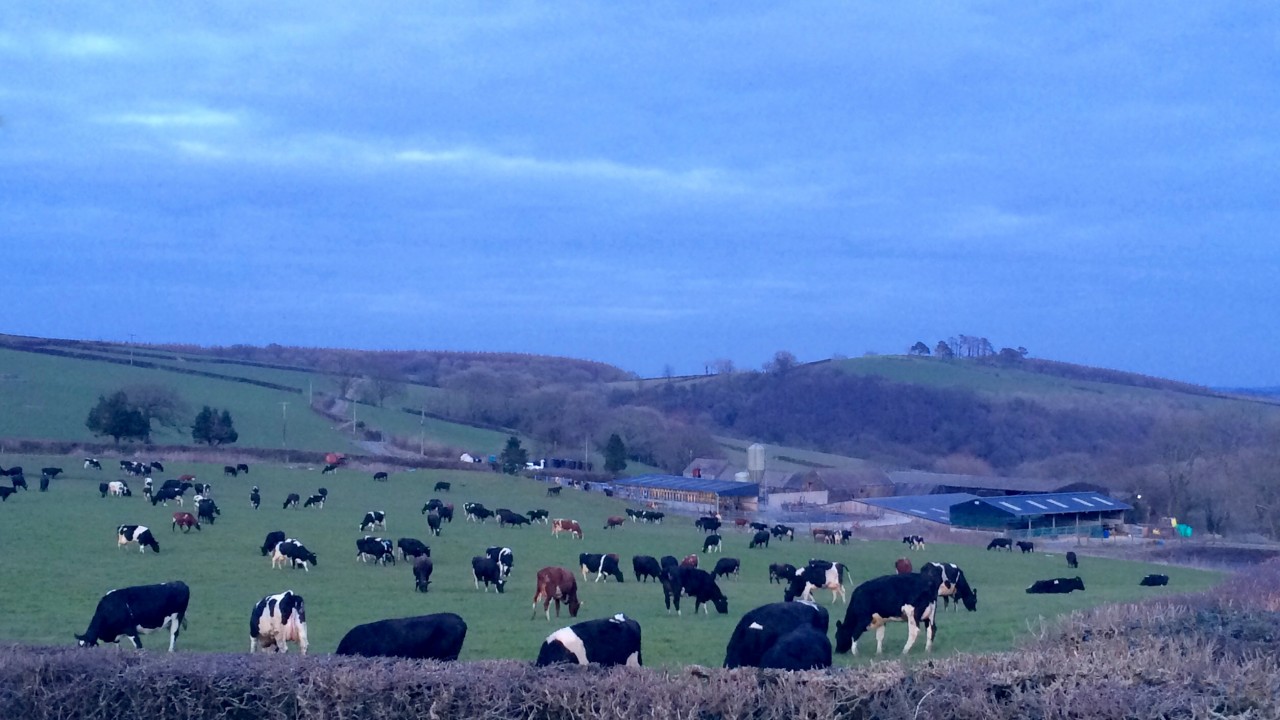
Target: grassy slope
<point>68,559</point>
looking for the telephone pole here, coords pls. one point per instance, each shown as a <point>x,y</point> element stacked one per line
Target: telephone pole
<point>284,424</point>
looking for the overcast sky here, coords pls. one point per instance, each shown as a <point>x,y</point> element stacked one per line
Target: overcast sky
<point>650,184</point>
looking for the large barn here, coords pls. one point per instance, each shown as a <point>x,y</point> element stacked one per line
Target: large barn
<point>685,493</point>
<point>1089,514</point>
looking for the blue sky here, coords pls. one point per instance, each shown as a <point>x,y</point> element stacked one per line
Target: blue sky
<point>650,185</point>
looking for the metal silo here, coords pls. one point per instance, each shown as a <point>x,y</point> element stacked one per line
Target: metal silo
<point>755,462</point>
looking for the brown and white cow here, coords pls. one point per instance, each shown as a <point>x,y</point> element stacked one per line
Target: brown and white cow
<point>277,620</point>
<point>558,584</point>
<point>560,525</point>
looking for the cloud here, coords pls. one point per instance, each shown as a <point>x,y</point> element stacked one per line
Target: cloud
<point>190,118</point>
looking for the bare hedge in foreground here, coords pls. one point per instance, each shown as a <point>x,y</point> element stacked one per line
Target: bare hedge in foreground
<point>1208,656</point>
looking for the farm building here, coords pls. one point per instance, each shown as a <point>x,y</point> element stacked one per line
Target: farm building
<point>684,493</point>
<point>934,508</point>
<point>1089,514</point>
<point>718,469</point>
<point>918,482</point>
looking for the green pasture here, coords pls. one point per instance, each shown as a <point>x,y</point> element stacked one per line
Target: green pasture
<point>63,557</point>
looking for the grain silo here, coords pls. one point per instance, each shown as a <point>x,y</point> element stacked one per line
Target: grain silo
<point>755,462</point>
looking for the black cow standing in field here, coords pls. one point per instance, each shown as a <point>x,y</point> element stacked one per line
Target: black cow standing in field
<point>1154,580</point>
<point>553,491</point>
<point>1055,586</point>
<point>726,567</point>
<point>539,515</point>
<point>782,636</point>
<point>442,487</point>
<point>425,637</point>
<point>94,463</point>
<point>761,538</point>
<point>1000,544</point>
<point>607,641</point>
<point>432,504</point>
<point>1026,546</point>
<point>911,598</point>
<point>511,518</point>
<point>242,468</point>
<point>131,611</point>
<point>433,523</point>
<point>51,472</point>
<point>645,567</point>
<point>707,524</point>
<point>380,476</point>
<point>230,470</point>
<point>485,569</point>
<point>274,538</point>
<point>695,583</point>
<point>1072,561</point>
<point>291,501</point>
<point>412,547</point>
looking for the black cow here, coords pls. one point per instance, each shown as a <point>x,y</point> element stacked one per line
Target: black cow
<point>432,504</point>
<point>50,472</point>
<point>19,481</point>
<point>157,466</point>
<point>783,636</point>
<point>92,463</point>
<point>291,501</point>
<point>332,468</point>
<point>952,585</point>
<point>1055,586</point>
<point>711,544</point>
<point>1072,560</point>
<point>207,510</point>
<point>645,567</point>
<point>1000,543</point>
<point>1026,546</point>
<point>758,526</point>
<point>1154,580</point>
<point>601,565</point>
<point>433,523</point>
<point>761,538</point>
<point>242,468</point>
<point>511,518</point>
<point>380,476</point>
<point>911,597</point>
<point>230,470</point>
<point>781,531</point>
<point>697,584</point>
<point>102,488</point>
<point>44,483</point>
<point>669,562</point>
<point>781,573</point>
<point>504,557</point>
<point>707,524</point>
<point>446,513</point>
<point>412,547</point>
<point>422,568</point>
<point>442,487</point>
<point>486,570</point>
<point>274,538</point>
<point>131,611</point>
<point>316,500</point>
<point>294,553</point>
<point>725,567</point>
<point>255,497</point>
<point>126,534</point>
<point>425,637</point>
<point>553,491</point>
<point>607,641</point>
<point>374,520</point>
<point>378,549</point>
<point>539,516</point>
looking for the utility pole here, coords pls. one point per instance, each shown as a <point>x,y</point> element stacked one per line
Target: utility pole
<point>284,424</point>
<point>130,349</point>
<point>422,431</point>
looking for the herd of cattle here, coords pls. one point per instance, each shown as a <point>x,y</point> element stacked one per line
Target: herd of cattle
<point>792,634</point>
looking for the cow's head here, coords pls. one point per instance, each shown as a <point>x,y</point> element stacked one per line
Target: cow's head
<point>970,600</point>
<point>87,640</point>
<point>844,637</point>
<point>721,603</point>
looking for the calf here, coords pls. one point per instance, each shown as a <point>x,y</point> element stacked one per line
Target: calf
<point>781,573</point>
<point>1026,546</point>
<point>601,564</point>
<point>412,547</point>
<point>484,569</point>
<point>184,520</point>
<point>761,538</point>
<point>645,567</point>
<point>817,574</point>
<point>316,500</point>
<point>1000,543</point>
<point>291,501</point>
<point>422,567</point>
<point>374,520</point>
<point>255,497</point>
<point>1072,560</point>
<point>274,538</point>
<point>558,584</point>
<point>295,554</point>
<point>952,585</point>
<point>613,521</point>
<point>276,621</point>
<point>726,567</point>
<point>1055,586</point>
<point>442,487</point>
<point>126,534</point>
<point>608,641</point>
<point>377,549</point>
<point>132,611</point>
<point>711,544</point>
<point>570,526</point>
<point>380,476</point>
<point>782,636</point>
<point>910,598</point>
<point>1153,580</point>
<point>425,637</point>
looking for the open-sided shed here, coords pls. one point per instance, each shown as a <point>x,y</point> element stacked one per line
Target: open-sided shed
<point>1047,514</point>
<point>701,494</point>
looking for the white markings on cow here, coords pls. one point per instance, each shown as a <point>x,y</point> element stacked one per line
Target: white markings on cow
<point>571,642</point>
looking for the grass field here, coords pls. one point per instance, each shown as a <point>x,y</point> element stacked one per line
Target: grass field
<point>62,557</point>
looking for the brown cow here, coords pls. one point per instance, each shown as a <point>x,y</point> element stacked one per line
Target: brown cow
<point>690,561</point>
<point>556,583</point>
<point>184,520</point>
<point>740,523</point>
<point>613,522</point>
<point>903,566</point>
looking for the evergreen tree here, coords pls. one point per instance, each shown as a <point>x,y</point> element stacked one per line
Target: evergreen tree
<point>513,456</point>
<point>116,417</point>
<point>214,428</point>
<point>615,455</point>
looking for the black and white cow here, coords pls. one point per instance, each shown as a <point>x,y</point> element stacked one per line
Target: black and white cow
<point>607,641</point>
<point>758,639</point>
<point>412,547</point>
<point>291,501</point>
<point>1056,586</point>
<point>645,567</point>
<point>1072,561</point>
<point>817,574</point>
<point>914,542</point>
<point>505,558</point>
<point>511,518</point>
<point>758,526</point>
<point>601,564</point>
<point>94,463</point>
<point>374,520</point>
<point>952,585</point>
<point>695,583</point>
<point>1153,580</point>
<point>422,567</point>
<point>165,494</point>
<point>277,620</point>
<point>207,510</point>
<point>726,567</point>
<point>1000,544</point>
<point>540,515</point>
<point>432,504</point>
<point>374,548</point>
<point>761,538</point>
<point>316,500</point>
<point>476,512</point>
<point>126,534</point>
<point>910,598</point>
<point>119,488</point>
<point>712,543</point>
<point>274,538</point>
<point>295,554</point>
<point>131,611</point>
<point>781,531</point>
<point>425,637</point>
<point>485,570</point>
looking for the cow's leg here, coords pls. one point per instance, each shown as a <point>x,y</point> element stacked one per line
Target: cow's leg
<point>136,639</point>
<point>879,638</point>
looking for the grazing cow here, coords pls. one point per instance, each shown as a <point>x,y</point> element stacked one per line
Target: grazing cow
<point>601,564</point>
<point>725,567</point>
<point>156,465</point>
<point>761,538</point>
<point>651,516</point>
<point>50,472</point>
<point>511,518</point>
<point>230,470</point>
<point>425,637</point>
<point>952,585</point>
<point>558,584</point>
<point>668,562</point>
<point>707,524</point>
<point>92,463</point>
<point>697,584</point>
<point>412,547</point>
<point>164,495</point>
<point>126,534</point>
<point>817,574</point>
<point>119,488</point>
<point>329,469</point>
<point>613,521</point>
<point>242,468</point>
<point>539,515</point>
<point>781,573</point>
<point>442,487</point>
<point>781,636</point>
<point>607,641</point>
<point>1026,546</point>
<point>276,621</point>
<point>375,548</point>
<point>902,566</point>
<point>422,567</point>
<point>184,520</point>
<point>503,556</point>
<point>291,501</point>
<point>433,523</point>
<point>1072,560</point>
<point>5,492</point>
<point>781,531</point>
<point>690,560</point>
<point>274,538</point>
<point>484,569</point>
<point>1056,586</point>
<point>1000,543</point>
<point>572,527</point>
<point>909,598</point>
<point>132,611</point>
<point>477,512</point>
<point>295,554</point>
<point>432,504</point>
<point>554,491</point>
<point>208,510</point>
<point>19,481</point>
<point>374,520</point>
<point>914,542</point>
<point>1153,580</point>
<point>316,500</point>
<point>103,488</point>
<point>758,526</point>
<point>711,544</point>
<point>740,524</point>
<point>380,476</point>
<point>645,567</point>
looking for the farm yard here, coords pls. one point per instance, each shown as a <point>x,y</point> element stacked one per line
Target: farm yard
<point>65,557</point>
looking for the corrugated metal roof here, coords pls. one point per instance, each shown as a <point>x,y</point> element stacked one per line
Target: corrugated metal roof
<point>676,482</point>
<point>1053,503</point>
<point>936,508</point>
